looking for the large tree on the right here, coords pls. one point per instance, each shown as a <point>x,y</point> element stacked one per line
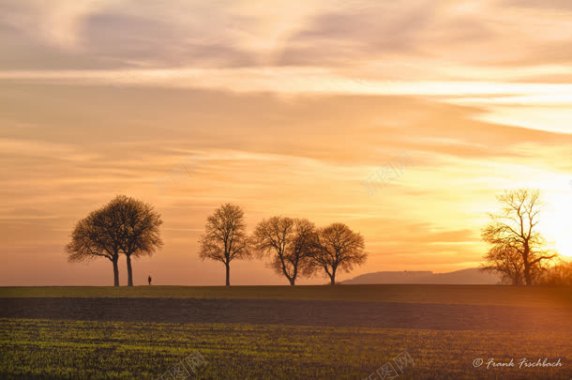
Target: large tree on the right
<point>518,248</point>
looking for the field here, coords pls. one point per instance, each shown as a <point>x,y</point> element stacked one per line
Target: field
<point>346,332</point>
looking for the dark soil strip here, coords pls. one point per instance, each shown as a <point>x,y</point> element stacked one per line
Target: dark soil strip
<point>310,313</point>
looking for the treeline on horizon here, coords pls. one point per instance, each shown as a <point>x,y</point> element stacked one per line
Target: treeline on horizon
<point>295,246</point>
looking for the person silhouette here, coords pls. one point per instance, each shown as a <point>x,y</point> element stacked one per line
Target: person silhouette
<point>149,280</point>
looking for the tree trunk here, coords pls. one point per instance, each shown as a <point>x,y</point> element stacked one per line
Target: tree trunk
<point>227,274</point>
<point>333,277</point>
<point>115,272</point>
<point>291,279</point>
<point>527,276</point>
<point>129,271</point>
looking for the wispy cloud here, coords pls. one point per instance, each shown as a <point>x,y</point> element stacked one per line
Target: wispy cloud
<point>57,23</point>
<point>292,80</point>
<point>542,106</point>
<point>315,33</point>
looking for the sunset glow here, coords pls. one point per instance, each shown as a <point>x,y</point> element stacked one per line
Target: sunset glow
<point>403,120</point>
<point>556,226</point>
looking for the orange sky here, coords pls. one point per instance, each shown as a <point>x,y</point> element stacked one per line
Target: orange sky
<point>402,120</point>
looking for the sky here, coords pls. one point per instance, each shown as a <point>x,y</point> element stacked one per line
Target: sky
<point>402,119</point>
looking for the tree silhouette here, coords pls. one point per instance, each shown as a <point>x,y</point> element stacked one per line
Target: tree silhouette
<point>517,245</point>
<point>337,247</point>
<point>559,274</point>
<point>225,237</point>
<point>97,235</point>
<point>138,229</point>
<point>506,261</point>
<point>289,242</point>
<point>124,225</point>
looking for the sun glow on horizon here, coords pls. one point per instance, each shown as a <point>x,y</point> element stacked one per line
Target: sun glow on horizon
<point>555,224</point>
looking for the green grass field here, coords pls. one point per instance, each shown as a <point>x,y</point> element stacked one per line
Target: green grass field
<point>43,348</point>
<point>99,350</point>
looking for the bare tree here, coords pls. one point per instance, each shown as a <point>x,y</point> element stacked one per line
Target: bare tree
<point>515,230</point>
<point>289,242</point>
<point>138,229</point>
<point>225,237</point>
<point>338,248</point>
<point>124,225</point>
<point>559,274</point>
<point>507,261</point>
<point>97,235</point>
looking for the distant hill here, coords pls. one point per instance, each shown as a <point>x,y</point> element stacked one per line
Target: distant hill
<point>471,276</point>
